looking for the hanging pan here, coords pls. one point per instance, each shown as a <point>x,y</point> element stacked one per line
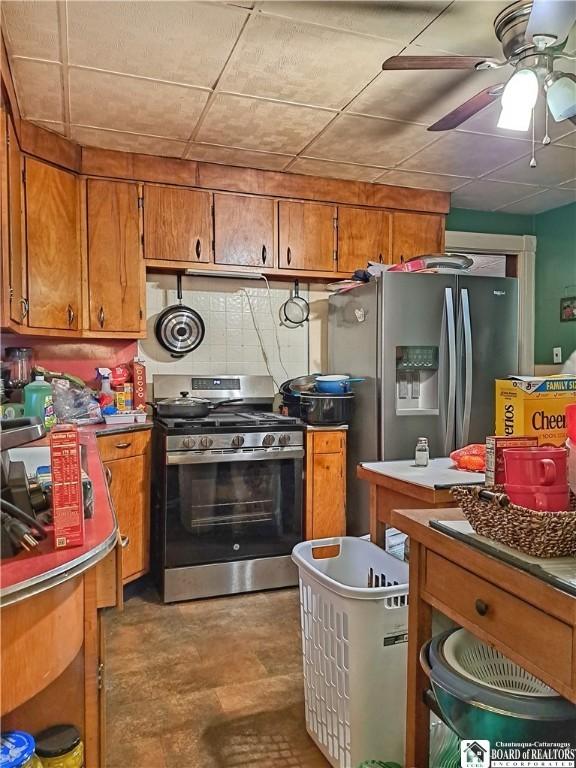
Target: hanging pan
<point>295,310</point>
<point>178,328</point>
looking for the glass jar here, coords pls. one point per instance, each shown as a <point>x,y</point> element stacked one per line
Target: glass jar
<point>19,361</point>
<point>422,454</point>
<point>60,747</point>
<point>17,750</point>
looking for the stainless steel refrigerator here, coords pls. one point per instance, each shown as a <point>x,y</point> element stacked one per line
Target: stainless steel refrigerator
<point>429,347</point>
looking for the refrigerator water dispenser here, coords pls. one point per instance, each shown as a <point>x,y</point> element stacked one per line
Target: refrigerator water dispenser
<point>417,381</point>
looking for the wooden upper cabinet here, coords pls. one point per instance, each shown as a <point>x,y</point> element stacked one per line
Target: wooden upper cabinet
<point>416,234</point>
<point>243,231</point>
<point>116,278</point>
<point>53,246</point>
<point>306,236</point>
<point>363,236</point>
<point>177,224</point>
<point>17,258</point>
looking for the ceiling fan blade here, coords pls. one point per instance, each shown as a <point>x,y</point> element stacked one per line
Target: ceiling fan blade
<point>433,62</point>
<point>468,109</point>
<point>551,18</point>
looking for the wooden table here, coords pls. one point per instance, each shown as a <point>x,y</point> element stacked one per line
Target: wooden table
<point>528,620</point>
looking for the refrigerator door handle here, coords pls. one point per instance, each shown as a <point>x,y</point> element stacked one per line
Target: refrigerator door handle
<point>467,337</point>
<point>449,330</point>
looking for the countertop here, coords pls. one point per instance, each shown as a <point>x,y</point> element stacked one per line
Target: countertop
<point>313,428</point>
<point>440,473</point>
<point>31,572</point>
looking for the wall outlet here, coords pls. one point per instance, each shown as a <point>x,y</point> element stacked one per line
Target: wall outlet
<point>557,354</point>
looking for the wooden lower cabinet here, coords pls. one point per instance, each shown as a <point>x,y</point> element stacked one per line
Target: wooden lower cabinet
<point>325,483</point>
<point>129,481</point>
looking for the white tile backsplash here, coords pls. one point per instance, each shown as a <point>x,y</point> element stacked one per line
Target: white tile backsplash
<point>230,309</point>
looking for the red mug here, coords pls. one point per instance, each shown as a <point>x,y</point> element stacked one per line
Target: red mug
<point>544,498</point>
<point>543,466</point>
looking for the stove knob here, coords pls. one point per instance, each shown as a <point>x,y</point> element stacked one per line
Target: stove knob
<point>206,442</point>
<point>268,440</point>
<point>284,439</point>
<point>188,442</point>
<point>237,441</point>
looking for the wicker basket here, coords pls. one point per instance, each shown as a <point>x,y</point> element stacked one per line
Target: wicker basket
<point>539,534</point>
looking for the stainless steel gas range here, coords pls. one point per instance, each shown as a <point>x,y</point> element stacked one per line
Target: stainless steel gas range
<point>226,490</point>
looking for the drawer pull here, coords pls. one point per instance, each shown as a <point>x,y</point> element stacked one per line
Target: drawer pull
<point>289,256</point>
<point>124,541</point>
<point>481,607</point>
<point>101,317</point>
<point>108,473</point>
<point>263,254</point>
<point>123,445</point>
<point>198,248</point>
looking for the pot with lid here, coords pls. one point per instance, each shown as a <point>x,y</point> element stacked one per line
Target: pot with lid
<point>319,409</point>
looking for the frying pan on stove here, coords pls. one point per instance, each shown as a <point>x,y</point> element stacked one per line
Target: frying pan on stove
<point>178,328</point>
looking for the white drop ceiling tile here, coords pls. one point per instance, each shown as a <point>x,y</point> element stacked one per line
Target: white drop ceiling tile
<point>134,104</point>
<point>185,42</point>
<point>555,165</point>
<point>543,201</point>
<point>394,20</point>
<point>488,195</point>
<point>39,89</point>
<point>423,180</point>
<point>126,142</point>
<point>466,28</point>
<point>32,28</point>
<point>369,141</point>
<point>568,139</point>
<point>421,96</point>
<point>50,126</point>
<point>486,121</point>
<point>270,126</point>
<point>326,169</point>
<point>292,61</point>
<point>211,153</point>
<point>466,154</point>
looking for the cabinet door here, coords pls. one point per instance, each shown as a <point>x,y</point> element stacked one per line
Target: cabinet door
<point>363,236</point>
<point>177,224</point>
<point>416,234</point>
<point>325,484</point>
<point>116,279</point>
<point>306,236</point>
<point>129,487</point>
<point>17,259</point>
<point>243,231</point>
<point>53,246</point>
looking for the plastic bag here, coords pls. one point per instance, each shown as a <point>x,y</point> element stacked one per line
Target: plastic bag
<point>472,457</point>
<point>74,405</point>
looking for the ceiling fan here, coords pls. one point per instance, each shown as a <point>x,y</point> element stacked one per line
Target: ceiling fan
<point>533,34</point>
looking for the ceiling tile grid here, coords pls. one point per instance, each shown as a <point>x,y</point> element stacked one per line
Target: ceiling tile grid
<point>286,85</point>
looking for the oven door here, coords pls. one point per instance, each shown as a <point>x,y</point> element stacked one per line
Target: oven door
<point>232,506</point>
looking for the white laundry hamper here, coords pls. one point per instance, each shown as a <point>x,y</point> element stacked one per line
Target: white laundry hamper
<point>354,642</point>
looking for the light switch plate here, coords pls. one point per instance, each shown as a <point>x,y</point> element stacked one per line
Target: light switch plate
<point>557,354</point>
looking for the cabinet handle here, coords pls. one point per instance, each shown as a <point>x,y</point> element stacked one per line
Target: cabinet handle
<point>25,308</point>
<point>124,541</point>
<point>198,248</point>
<point>71,316</point>
<point>101,317</point>
<point>380,259</point>
<point>123,445</point>
<point>108,473</point>
<point>481,607</point>
<point>289,255</point>
<point>263,254</point>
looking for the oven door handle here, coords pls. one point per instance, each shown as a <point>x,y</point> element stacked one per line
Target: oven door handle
<point>190,457</point>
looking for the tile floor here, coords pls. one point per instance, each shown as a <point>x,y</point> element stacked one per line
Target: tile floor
<point>207,684</point>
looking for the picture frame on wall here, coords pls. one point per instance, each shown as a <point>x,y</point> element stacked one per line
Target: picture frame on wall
<point>567,308</point>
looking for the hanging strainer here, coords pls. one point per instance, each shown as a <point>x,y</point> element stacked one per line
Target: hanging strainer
<point>296,309</point>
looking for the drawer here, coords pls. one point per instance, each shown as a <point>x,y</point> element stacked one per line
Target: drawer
<point>123,444</point>
<point>328,442</point>
<point>535,635</point>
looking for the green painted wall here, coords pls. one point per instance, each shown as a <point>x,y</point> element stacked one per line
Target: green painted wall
<point>555,277</point>
<point>555,231</point>
<point>464,220</point>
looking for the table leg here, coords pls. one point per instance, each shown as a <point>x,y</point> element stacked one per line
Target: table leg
<point>377,527</point>
<point>419,631</point>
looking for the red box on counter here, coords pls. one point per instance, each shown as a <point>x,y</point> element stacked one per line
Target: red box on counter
<point>495,445</point>
<point>139,385</point>
<point>67,505</point>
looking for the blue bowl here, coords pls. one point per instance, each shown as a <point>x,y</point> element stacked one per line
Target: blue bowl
<point>333,386</point>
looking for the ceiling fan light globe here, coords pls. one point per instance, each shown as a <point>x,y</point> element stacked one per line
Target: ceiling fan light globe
<point>515,119</point>
<point>561,98</point>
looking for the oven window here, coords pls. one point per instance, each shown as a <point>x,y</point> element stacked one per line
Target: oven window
<point>225,511</point>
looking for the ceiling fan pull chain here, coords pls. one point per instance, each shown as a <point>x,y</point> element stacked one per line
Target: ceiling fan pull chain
<point>533,158</point>
<point>546,139</point>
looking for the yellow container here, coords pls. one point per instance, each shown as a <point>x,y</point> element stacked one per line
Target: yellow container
<point>532,406</point>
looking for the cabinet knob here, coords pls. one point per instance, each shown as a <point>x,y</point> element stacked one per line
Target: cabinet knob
<point>124,541</point>
<point>198,248</point>
<point>263,254</point>
<point>108,473</point>
<point>101,317</point>
<point>25,308</point>
<point>380,259</point>
<point>481,607</point>
<point>71,316</point>
<point>288,255</point>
